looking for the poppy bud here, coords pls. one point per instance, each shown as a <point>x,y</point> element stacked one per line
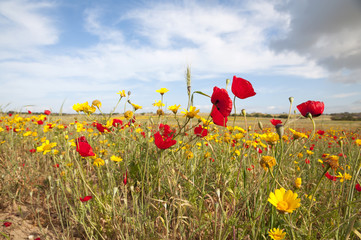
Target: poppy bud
<point>244,112</point>
<point>228,81</point>
<point>290,99</point>
<point>280,130</point>
<point>260,125</point>
<point>129,92</point>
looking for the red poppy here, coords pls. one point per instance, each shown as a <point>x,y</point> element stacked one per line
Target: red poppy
<point>32,150</point>
<point>125,178</point>
<point>40,122</point>
<point>315,108</point>
<point>29,111</point>
<point>358,187</point>
<point>307,161</point>
<point>117,122</point>
<point>83,147</point>
<point>241,88</point>
<point>7,224</point>
<point>275,122</point>
<point>165,130</point>
<point>47,112</point>
<point>200,131</point>
<point>222,101</point>
<point>329,176</point>
<point>101,128</point>
<point>320,132</point>
<point>10,114</point>
<point>163,142</point>
<point>81,139</point>
<point>86,198</point>
<point>218,118</point>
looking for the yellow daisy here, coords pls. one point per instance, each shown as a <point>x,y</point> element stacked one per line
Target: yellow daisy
<point>285,202</point>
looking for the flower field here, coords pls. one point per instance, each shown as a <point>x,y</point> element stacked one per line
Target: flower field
<point>182,174</point>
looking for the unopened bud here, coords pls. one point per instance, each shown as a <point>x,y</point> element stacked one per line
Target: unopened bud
<point>260,125</point>
<point>129,92</point>
<point>280,130</point>
<point>227,82</point>
<point>244,112</point>
<point>290,99</point>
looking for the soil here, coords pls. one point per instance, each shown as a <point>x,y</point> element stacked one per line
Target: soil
<point>21,226</point>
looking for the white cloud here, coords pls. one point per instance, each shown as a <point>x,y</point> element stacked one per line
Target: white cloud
<point>24,26</point>
<point>164,39</point>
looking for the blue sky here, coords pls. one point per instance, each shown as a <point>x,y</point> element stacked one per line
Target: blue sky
<point>62,51</point>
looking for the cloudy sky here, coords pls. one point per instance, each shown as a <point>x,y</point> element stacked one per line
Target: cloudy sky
<point>65,52</point>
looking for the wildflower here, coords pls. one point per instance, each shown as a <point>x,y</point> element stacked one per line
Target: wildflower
<point>86,198</point>
<point>83,147</point>
<point>7,224</point>
<point>329,176</point>
<point>218,118</point>
<point>358,187</point>
<point>116,159</point>
<point>191,113</point>
<point>160,112</point>
<point>297,135</point>
<point>117,122</point>
<point>29,111</point>
<point>344,177</point>
<point>128,114</point>
<point>320,132</point>
<point>174,108</point>
<point>136,106</point>
<point>125,178</point>
<point>314,108</point>
<point>285,202</point>
<point>46,147</point>
<point>275,122</point>
<point>96,103</point>
<point>77,107</point>
<point>162,91</point>
<point>98,162</point>
<point>163,142</point>
<point>298,182</point>
<point>222,101</point>
<point>268,162</point>
<point>271,138</point>
<point>309,152</point>
<point>300,155</point>
<point>158,104</point>
<point>101,128</point>
<point>200,131</point>
<point>122,93</point>
<point>47,112</point>
<point>190,155</point>
<point>358,142</point>
<point>332,161</point>
<point>242,88</point>
<point>277,234</point>
<point>32,150</point>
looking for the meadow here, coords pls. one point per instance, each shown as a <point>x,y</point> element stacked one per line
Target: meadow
<point>180,174</point>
